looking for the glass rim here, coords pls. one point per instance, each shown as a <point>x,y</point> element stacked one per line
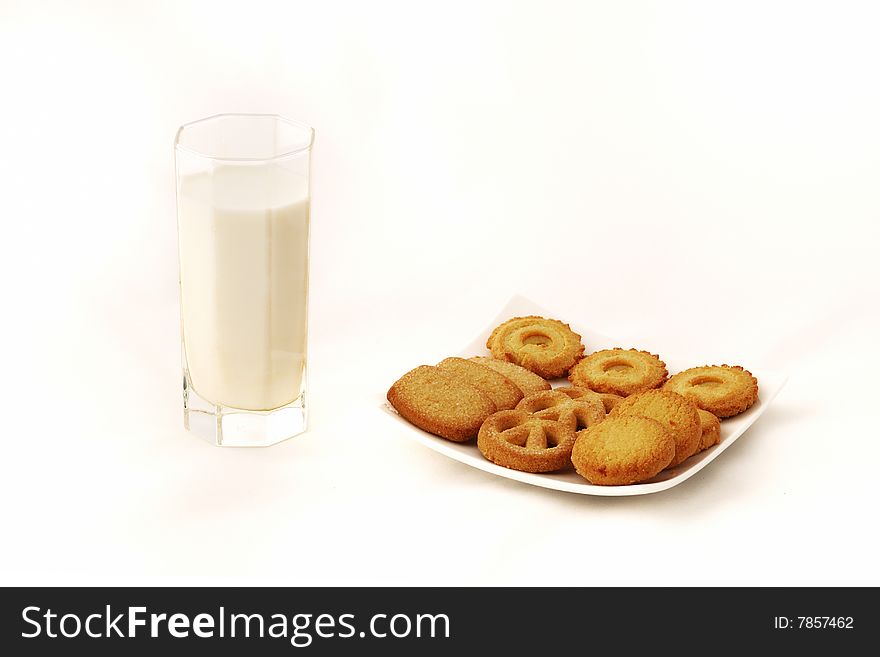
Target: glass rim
<point>278,117</point>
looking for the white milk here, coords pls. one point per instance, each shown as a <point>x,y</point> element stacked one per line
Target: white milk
<point>243,284</point>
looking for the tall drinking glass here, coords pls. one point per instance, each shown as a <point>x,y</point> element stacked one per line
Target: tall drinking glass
<point>243,238</point>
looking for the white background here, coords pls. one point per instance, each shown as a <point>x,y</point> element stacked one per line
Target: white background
<point>696,178</point>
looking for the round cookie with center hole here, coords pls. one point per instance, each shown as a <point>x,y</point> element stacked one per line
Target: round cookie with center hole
<point>622,450</point>
<point>544,346</point>
<point>724,390</point>
<point>617,371</point>
<point>676,413</point>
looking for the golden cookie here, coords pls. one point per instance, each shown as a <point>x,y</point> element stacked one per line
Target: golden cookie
<point>622,450</point>
<point>676,413</point>
<point>546,347</point>
<point>607,400</point>
<point>520,441</point>
<point>610,400</point>
<point>724,390</point>
<point>710,430</point>
<point>439,403</point>
<point>528,382</point>
<point>619,371</point>
<point>573,407</point>
<point>497,387</point>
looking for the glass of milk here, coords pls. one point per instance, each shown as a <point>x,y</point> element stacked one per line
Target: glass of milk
<point>243,237</point>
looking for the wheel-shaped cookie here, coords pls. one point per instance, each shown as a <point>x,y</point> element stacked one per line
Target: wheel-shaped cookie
<point>518,440</point>
<point>573,407</point>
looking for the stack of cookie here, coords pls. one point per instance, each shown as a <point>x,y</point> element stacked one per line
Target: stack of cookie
<point>621,421</point>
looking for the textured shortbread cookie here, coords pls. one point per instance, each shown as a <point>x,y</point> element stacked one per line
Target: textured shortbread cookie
<point>676,413</point>
<point>497,387</point>
<point>528,382</point>
<point>622,450</point>
<point>439,403</point>
<point>710,428</point>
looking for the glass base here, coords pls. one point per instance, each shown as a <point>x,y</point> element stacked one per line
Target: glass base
<point>233,427</point>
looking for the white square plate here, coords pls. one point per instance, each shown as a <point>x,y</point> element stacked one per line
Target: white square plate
<point>770,383</point>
